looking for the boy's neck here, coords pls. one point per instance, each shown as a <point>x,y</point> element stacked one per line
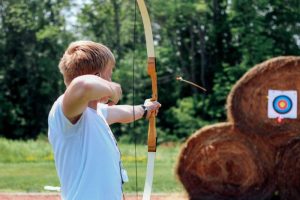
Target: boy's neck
<point>93,105</point>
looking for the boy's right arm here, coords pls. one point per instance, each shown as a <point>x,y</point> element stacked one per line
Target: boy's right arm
<point>84,89</point>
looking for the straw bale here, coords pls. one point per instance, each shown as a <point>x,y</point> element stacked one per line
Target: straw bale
<point>219,163</point>
<point>247,103</point>
<point>288,170</point>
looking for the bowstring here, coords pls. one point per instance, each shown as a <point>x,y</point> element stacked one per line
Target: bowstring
<point>133,97</point>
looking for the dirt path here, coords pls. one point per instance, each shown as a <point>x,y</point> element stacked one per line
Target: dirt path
<point>51,196</point>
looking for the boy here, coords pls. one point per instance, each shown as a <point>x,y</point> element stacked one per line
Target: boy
<point>86,154</point>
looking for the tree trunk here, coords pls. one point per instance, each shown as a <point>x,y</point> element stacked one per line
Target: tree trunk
<point>117,43</point>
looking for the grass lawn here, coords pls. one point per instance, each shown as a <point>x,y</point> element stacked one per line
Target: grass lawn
<point>28,166</point>
<point>27,177</point>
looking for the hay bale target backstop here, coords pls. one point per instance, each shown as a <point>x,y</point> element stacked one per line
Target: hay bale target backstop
<point>252,155</point>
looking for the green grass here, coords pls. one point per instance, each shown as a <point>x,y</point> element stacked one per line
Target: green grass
<point>164,173</point>
<point>27,177</point>
<point>28,166</point>
<point>21,151</point>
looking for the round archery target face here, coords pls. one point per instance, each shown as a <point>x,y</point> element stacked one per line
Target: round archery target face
<point>282,104</point>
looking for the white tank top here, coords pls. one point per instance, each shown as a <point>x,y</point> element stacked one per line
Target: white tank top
<point>86,155</point>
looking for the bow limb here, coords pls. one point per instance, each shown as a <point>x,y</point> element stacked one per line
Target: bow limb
<point>151,68</point>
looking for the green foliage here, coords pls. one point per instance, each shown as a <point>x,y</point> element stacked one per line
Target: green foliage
<point>184,118</point>
<point>109,22</point>
<point>32,44</point>
<point>223,82</point>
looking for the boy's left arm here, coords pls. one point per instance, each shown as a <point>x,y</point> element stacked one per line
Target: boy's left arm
<point>124,113</point>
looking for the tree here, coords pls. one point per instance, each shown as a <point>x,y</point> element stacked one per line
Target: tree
<point>33,37</point>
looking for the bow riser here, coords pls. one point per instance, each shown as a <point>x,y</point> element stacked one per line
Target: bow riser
<point>152,120</point>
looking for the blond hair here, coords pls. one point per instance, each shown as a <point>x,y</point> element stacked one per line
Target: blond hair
<point>84,57</point>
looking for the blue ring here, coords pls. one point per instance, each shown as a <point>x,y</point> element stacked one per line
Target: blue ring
<point>282,98</point>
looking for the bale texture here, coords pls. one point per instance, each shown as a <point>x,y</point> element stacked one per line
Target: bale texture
<point>247,103</point>
<point>288,170</point>
<point>219,163</point>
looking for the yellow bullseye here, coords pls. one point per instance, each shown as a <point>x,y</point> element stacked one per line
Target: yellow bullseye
<point>282,104</point>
